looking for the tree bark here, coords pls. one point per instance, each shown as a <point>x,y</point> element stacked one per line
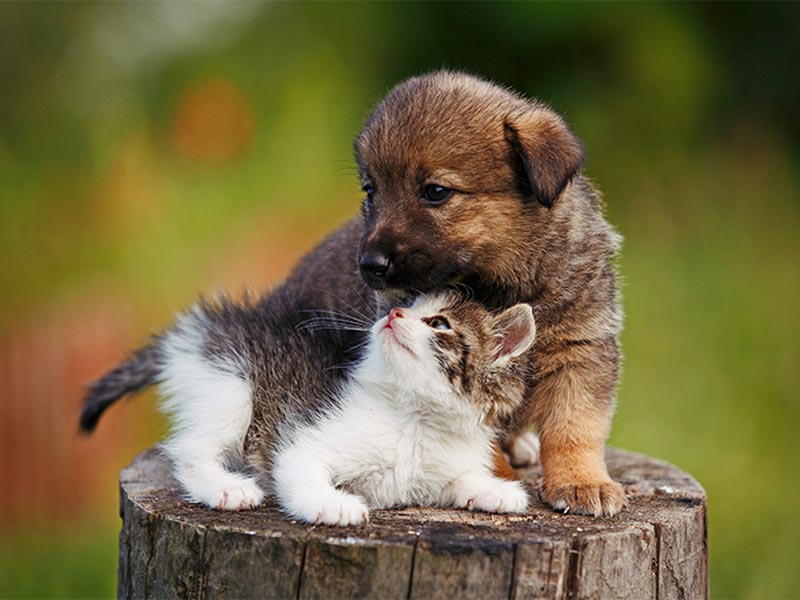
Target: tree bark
<point>655,549</point>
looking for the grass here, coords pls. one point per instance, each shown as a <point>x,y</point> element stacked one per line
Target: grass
<point>60,562</point>
<point>711,377</point>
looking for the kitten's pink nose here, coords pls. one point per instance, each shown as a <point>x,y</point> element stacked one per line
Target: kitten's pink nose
<point>395,313</point>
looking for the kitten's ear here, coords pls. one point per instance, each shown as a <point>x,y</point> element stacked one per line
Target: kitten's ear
<point>515,330</point>
<point>547,153</point>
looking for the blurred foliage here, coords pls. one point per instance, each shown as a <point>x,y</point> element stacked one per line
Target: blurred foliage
<point>140,143</point>
<point>74,561</point>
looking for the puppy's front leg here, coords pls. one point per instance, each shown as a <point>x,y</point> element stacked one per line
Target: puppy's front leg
<point>573,408</point>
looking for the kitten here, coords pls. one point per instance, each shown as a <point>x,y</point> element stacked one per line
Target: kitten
<point>411,424</point>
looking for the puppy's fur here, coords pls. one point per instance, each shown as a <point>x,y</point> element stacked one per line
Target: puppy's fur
<point>521,224</point>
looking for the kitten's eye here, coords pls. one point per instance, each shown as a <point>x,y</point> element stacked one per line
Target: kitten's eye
<point>436,195</point>
<point>438,322</point>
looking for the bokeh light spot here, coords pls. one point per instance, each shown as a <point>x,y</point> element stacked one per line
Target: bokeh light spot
<point>213,122</point>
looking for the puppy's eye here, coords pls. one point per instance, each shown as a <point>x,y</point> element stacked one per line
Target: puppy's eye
<point>369,190</point>
<point>436,194</point>
<point>438,322</point>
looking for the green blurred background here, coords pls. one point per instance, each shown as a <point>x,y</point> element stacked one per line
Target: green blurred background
<point>152,151</point>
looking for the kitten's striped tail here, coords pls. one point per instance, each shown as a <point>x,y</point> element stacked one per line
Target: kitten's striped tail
<point>140,370</point>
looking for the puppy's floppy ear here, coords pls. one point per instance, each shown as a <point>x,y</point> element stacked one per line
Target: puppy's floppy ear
<point>546,152</point>
<point>515,331</point>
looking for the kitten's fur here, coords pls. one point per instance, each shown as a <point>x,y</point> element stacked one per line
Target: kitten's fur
<point>412,424</point>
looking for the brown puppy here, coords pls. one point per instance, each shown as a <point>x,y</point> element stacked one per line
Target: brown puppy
<point>466,184</point>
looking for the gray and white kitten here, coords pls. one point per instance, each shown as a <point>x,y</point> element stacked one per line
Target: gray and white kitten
<point>411,424</point>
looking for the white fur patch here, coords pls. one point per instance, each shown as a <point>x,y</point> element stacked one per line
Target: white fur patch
<point>485,493</point>
<point>210,406</point>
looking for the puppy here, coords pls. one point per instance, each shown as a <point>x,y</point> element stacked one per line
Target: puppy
<point>466,184</point>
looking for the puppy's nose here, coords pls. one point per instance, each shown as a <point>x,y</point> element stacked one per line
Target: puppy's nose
<point>375,267</point>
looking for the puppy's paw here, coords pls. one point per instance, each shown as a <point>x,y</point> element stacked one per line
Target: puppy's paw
<point>239,493</point>
<point>603,499</point>
<point>342,509</point>
<point>501,497</point>
<point>524,449</point>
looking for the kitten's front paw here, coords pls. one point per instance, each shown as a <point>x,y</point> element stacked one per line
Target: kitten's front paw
<point>603,499</point>
<point>501,497</point>
<point>344,509</point>
<point>238,494</point>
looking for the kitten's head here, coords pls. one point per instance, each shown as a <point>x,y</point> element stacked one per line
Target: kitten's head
<point>449,349</point>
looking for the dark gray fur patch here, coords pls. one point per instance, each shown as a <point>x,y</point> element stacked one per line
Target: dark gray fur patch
<point>452,353</point>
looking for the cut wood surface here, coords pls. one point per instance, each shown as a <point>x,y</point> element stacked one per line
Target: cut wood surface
<point>657,548</point>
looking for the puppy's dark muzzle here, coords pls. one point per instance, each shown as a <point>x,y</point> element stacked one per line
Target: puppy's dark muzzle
<point>376,268</point>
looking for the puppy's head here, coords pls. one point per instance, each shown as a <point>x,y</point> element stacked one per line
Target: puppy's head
<point>458,173</point>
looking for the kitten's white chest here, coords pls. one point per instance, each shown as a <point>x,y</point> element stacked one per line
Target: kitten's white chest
<point>408,459</point>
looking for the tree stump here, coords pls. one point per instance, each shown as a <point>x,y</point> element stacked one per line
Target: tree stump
<point>655,549</point>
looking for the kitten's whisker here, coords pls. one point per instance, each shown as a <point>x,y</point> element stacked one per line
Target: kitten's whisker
<point>358,346</point>
<point>334,318</point>
<point>361,318</point>
<point>415,292</point>
<point>357,310</point>
<point>339,317</point>
<point>466,292</point>
<point>330,327</point>
<point>318,328</point>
